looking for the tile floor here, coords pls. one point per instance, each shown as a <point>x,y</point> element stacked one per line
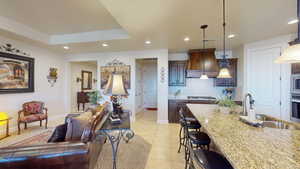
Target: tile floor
<point>154,146</point>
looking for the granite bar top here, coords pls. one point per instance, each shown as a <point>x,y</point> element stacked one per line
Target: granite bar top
<point>248,147</point>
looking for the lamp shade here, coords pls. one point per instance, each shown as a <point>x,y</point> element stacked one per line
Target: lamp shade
<point>224,73</point>
<point>203,77</point>
<point>115,86</point>
<point>290,55</point>
<point>3,116</point>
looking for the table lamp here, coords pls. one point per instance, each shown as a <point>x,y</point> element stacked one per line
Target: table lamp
<point>116,89</point>
<point>3,118</point>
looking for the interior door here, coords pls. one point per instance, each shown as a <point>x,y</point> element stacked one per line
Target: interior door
<point>264,80</point>
<point>150,83</point>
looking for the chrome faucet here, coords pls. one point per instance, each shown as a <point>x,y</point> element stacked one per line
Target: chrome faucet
<point>251,102</point>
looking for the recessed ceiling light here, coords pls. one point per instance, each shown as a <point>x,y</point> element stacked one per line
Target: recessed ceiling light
<point>293,21</point>
<point>231,36</point>
<point>104,44</point>
<point>148,42</point>
<point>186,39</point>
<point>66,47</point>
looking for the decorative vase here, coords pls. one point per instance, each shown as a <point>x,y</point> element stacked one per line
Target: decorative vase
<point>225,110</point>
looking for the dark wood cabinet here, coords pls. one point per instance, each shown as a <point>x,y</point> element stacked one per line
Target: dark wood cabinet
<point>82,98</point>
<point>175,105</point>
<point>202,60</point>
<point>232,82</point>
<point>296,68</point>
<point>177,71</point>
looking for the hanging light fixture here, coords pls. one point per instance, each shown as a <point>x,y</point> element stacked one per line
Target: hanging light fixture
<point>292,53</point>
<point>203,75</point>
<point>224,71</point>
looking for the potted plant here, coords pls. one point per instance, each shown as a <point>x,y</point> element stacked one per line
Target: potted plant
<point>95,98</point>
<point>226,105</point>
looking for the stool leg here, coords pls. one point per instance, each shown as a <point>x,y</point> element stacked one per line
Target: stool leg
<point>180,139</point>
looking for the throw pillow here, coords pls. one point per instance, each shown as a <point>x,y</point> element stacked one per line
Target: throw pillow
<point>77,125</point>
<point>59,134</point>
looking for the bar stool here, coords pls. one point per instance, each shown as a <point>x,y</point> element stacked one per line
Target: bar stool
<point>190,123</point>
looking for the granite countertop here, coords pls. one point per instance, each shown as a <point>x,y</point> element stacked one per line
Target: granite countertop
<point>248,147</point>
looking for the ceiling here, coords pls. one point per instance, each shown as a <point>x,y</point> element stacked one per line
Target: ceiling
<point>164,22</point>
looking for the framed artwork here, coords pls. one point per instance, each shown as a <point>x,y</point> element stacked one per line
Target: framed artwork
<point>16,73</point>
<point>86,77</point>
<point>117,67</point>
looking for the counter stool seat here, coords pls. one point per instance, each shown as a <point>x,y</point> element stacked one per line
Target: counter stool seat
<point>190,124</point>
<point>211,160</point>
<point>199,138</point>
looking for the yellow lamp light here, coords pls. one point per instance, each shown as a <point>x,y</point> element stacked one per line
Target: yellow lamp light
<point>3,118</point>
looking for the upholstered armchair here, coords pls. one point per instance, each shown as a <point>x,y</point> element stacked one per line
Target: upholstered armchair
<point>32,112</point>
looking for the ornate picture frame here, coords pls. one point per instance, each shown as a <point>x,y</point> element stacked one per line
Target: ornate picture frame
<point>16,71</point>
<point>87,80</point>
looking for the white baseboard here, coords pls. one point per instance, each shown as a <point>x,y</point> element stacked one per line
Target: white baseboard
<point>163,121</point>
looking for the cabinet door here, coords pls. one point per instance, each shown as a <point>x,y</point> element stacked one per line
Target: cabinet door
<point>181,71</point>
<point>173,115</point>
<point>173,73</point>
<point>295,68</point>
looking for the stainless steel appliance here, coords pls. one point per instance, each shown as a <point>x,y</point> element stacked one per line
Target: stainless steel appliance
<point>295,104</point>
<point>295,84</point>
<point>205,98</point>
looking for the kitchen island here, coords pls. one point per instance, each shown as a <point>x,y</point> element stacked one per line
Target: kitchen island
<point>248,147</point>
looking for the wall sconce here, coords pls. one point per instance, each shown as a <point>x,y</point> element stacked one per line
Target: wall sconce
<point>78,80</point>
<point>52,77</point>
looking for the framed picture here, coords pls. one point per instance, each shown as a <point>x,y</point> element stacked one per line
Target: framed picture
<point>86,77</point>
<point>106,71</point>
<point>16,73</point>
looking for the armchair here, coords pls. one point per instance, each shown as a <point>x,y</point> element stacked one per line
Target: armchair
<point>32,112</point>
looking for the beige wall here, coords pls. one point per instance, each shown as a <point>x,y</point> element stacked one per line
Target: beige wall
<point>52,96</point>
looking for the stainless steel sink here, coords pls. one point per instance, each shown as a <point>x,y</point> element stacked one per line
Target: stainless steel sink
<point>271,122</point>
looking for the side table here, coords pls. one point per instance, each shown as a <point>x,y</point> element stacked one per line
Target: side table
<point>7,127</point>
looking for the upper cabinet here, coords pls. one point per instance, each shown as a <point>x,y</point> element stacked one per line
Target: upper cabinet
<point>202,60</point>
<point>177,71</point>
<point>232,82</point>
<point>296,68</point>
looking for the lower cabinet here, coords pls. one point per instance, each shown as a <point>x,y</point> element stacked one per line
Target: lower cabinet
<point>176,105</point>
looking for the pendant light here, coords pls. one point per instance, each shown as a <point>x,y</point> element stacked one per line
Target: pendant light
<point>292,53</point>
<point>203,75</point>
<point>224,71</point>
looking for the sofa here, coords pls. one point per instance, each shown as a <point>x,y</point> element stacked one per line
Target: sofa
<point>62,155</point>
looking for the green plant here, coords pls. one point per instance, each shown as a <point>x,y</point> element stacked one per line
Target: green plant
<point>226,102</point>
<point>95,97</point>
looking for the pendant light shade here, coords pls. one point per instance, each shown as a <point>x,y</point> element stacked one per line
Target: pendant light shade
<point>290,55</point>
<point>204,77</point>
<point>224,73</point>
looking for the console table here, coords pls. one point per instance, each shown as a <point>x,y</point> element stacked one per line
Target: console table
<point>7,126</point>
<point>116,132</point>
<point>82,98</point>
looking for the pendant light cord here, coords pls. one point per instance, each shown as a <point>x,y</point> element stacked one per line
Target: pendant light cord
<point>224,31</point>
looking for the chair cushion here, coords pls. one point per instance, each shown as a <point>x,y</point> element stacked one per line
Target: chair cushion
<point>211,160</point>
<point>199,138</point>
<point>76,126</point>
<point>32,118</point>
<point>59,134</point>
<point>33,107</point>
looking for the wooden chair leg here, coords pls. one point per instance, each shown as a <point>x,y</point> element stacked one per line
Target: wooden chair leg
<point>25,125</point>
<point>40,123</point>
<point>19,129</point>
<point>46,123</point>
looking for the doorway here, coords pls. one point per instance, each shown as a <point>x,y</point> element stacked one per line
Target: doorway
<point>83,80</point>
<point>146,85</point>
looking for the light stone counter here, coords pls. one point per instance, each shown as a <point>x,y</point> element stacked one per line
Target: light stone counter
<point>248,147</point>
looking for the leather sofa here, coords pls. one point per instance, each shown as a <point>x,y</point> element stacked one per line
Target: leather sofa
<point>64,155</point>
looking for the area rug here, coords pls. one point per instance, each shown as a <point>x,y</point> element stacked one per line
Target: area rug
<point>41,138</point>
